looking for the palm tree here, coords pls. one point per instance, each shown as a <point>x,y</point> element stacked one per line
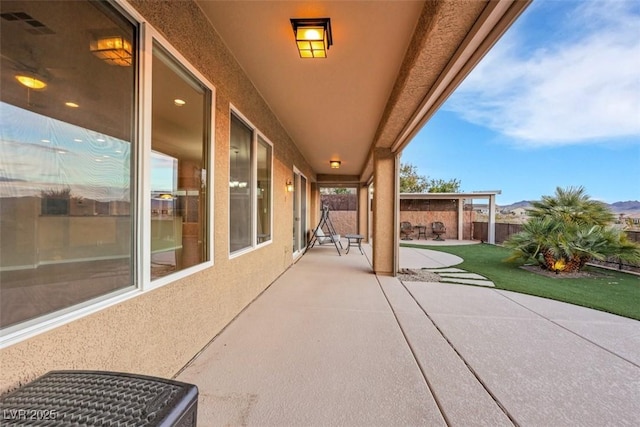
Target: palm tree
<point>572,205</point>
<point>567,230</point>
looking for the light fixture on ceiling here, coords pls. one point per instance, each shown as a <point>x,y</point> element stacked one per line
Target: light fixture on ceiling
<point>335,164</point>
<point>112,49</point>
<point>179,102</point>
<point>313,36</point>
<point>234,182</point>
<point>30,82</point>
<point>71,104</point>
<point>289,186</point>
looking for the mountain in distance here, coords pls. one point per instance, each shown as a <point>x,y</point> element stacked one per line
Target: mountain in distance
<point>521,204</point>
<point>631,206</point>
<point>628,207</point>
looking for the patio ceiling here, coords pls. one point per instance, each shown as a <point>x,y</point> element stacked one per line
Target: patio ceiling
<point>392,64</point>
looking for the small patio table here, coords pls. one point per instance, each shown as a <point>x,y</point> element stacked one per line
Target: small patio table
<point>422,231</point>
<point>354,240</point>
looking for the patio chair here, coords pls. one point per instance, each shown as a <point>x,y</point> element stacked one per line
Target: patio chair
<point>406,229</point>
<point>438,229</point>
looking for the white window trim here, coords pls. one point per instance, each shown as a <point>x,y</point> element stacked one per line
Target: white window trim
<point>142,267</point>
<point>297,254</point>
<point>260,135</point>
<point>254,167</point>
<point>151,36</point>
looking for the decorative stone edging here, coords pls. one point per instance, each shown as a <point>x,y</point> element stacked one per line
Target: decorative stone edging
<point>446,275</point>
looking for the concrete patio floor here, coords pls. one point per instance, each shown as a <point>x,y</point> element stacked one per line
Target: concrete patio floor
<point>330,343</point>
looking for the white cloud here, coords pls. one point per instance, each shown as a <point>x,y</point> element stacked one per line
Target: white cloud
<point>582,89</point>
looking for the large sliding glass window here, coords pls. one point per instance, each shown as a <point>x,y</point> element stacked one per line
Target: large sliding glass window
<point>67,156</point>
<point>69,150</point>
<point>180,135</point>
<point>250,187</point>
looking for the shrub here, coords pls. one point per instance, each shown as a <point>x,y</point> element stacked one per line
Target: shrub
<point>567,230</point>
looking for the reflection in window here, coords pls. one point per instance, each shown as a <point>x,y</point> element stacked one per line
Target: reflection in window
<point>250,187</point>
<point>263,207</point>
<point>239,185</point>
<point>65,173</point>
<point>180,131</point>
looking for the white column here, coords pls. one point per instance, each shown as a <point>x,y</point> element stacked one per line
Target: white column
<point>491,226</point>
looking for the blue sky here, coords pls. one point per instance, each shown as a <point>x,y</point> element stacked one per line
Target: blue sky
<point>555,103</point>
<point>53,155</point>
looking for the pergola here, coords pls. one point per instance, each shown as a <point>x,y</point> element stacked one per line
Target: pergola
<point>460,198</point>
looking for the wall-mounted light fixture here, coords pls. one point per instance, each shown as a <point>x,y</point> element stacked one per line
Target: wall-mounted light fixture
<point>113,49</point>
<point>289,186</point>
<point>335,164</point>
<point>313,36</point>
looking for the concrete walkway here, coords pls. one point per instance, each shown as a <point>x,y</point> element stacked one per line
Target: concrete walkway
<point>330,343</point>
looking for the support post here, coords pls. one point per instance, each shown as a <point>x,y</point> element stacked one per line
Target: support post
<point>385,212</point>
<point>491,226</point>
<point>363,214</point>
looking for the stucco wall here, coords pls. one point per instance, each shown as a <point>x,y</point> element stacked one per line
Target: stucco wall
<point>158,332</point>
<point>448,215</point>
<point>342,212</point>
<point>449,219</point>
<point>345,222</point>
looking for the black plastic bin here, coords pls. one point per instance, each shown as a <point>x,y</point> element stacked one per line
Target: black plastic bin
<point>96,398</point>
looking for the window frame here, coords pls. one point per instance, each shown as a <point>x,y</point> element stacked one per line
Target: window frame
<point>255,134</point>
<point>145,153</point>
<point>301,205</point>
<point>261,136</point>
<point>141,212</point>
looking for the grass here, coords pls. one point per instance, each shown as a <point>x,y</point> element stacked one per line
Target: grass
<point>611,291</point>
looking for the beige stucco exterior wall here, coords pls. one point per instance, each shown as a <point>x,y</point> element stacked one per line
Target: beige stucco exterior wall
<point>158,332</point>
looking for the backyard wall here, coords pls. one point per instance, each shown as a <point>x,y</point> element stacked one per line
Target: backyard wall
<point>343,212</point>
<point>426,212</point>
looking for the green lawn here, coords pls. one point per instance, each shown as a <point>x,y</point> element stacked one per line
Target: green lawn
<point>610,291</point>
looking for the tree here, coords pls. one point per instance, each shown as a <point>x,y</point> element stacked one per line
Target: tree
<point>572,205</point>
<point>567,230</point>
<point>412,182</point>
<point>337,190</point>
<point>55,201</point>
<point>442,186</point>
